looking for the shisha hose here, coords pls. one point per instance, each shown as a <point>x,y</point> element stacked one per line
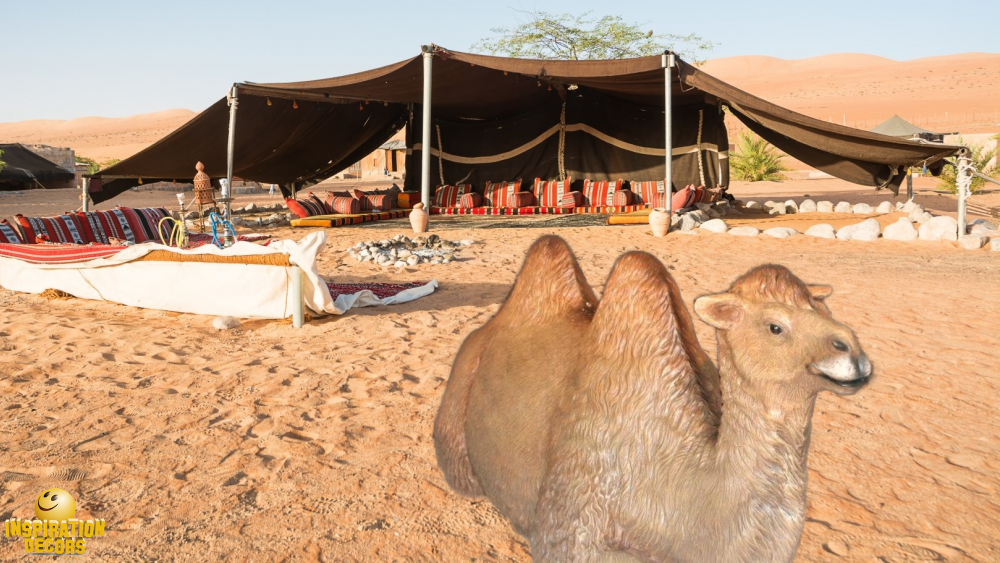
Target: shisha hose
<point>229,234</point>
<point>178,233</point>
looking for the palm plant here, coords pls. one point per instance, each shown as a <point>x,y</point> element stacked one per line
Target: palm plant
<point>981,159</point>
<point>756,160</point>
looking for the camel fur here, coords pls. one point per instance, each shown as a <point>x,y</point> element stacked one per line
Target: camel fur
<point>604,433</point>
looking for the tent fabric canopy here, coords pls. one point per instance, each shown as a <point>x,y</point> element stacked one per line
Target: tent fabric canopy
<point>24,166</point>
<point>500,118</point>
<point>896,126</point>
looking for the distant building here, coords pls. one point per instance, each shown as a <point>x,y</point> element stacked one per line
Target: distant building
<point>386,162</point>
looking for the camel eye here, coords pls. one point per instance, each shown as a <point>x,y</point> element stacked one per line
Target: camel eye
<point>775,329</point>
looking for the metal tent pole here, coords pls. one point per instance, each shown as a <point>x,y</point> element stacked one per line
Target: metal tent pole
<point>668,111</point>
<point>233,103</point>
<point>425,147</point>
<point>909,184</point>
<point>86,195</point>
<point>964,181</point>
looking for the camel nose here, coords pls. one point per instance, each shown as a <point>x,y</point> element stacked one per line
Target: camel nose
<point>864,366</point>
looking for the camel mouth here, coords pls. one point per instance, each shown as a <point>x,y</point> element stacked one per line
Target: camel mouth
<point>853,384</point>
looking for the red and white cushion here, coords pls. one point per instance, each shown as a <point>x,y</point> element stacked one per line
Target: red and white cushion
<point>62,228</point>
<point>550,193</point>
<point>9,234</point>
<point>521,199</point>
<point>142,223</point>
<point>500,194</point>
<point>448,196</point>
<point>600,194</point>
<point>571,200</point>
<point>375,201</point>
<point>624,197</point>
<point>684,197</point>
<point>345,205</point>
<point>470,201</point>
<point>649,193</point>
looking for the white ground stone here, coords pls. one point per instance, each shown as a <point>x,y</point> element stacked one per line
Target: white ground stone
<point>752,205</point>
<point>909,205</point>
<point>972,242</point>
<point>995,245</point>
<point>885,207</point>
<point>899,206</point>
<point>865,230</point>
<point>939,228</point>
<point>900,230</point>
<point>925,216</point>
<point>776,209</point>
<point>412,260</point>
<point>769,203</point>
<point>807,206</point>
<point>699,216</point>
<point>982,230</point>
<point>744,231</point>
<point>862,208</point>
<point>688,222</point>
<point>466,242</point>
<point>822,230</point>
<point>842,207</point>
<point>915,212</point>
<point>791,206</point>
<point>714,225</point>
<point>225,323</point>
<point>780,232</point>
<point>825,207</point>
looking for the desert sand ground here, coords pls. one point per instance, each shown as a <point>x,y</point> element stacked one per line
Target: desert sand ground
<point>269,443</point>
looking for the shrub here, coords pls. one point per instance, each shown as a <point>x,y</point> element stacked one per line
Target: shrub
<point>756,160</point>
<point>981,158</point>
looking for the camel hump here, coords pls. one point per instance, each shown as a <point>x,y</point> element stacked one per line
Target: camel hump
<point>642,320</point>
<point>550,284</point>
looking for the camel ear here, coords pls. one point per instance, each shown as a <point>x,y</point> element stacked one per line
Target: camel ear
<point>721,310</point>
<point>820,292</point>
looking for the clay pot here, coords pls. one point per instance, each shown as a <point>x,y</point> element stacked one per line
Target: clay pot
<point>659,220</point>
<point>418,218</point>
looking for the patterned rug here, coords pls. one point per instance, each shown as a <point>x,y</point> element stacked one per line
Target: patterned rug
<point>69,253</point>
<point>381,290</point>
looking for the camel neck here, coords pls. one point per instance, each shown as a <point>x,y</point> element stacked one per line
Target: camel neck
<point>761,452</point>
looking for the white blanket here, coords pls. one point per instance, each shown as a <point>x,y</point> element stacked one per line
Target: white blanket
<point>238,290</point>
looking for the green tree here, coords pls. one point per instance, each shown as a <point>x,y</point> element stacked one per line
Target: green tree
<point>981,157</point>
<point>2,163</point>
<point>756,160</point>
<point>578,37</point>
<point>93,166</point>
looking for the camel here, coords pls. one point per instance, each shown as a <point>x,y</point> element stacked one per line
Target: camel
<point>604,432</point>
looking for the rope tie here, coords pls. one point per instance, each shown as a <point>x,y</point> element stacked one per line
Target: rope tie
<point>701,168</point>
<point>562,143</point>
<point>440,155</point>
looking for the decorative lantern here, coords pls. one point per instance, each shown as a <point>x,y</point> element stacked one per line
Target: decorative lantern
<point>203,193</point>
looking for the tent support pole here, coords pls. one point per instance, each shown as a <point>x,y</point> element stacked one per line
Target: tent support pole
<point>295,287</point>
<point>228,196</point>
<point>668,110</point>
<point>963,179</point>
<point>427,52</point>
<point>85,196</point>
<point>909,184</point>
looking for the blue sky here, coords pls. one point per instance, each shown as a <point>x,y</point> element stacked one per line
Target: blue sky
<point>63,59</point>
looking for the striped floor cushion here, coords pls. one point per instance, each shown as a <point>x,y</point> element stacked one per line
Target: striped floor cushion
<point>62,228</point>
<point>550,193</point>
<point>373,201</point>
<point>470,201</point>
<point>343,205</point>
<point>144,223</point>
<point>650,193</point>
<point>600,193</point>
<point>501,194</point>
<point>9,234</point>
<point>449,196</point>
<point>571,200</point>
<point>307,207</point>
<point>625,197</point>
<point>521,199</point>
<point>536,210</point>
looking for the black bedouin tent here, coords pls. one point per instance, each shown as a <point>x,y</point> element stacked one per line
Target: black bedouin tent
<point>26,170</point>
<point>498,119</point>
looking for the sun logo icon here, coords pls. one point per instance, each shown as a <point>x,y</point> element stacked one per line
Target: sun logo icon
<point>55,504</point>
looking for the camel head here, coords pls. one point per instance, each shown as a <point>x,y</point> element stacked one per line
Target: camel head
<point>781,336</point>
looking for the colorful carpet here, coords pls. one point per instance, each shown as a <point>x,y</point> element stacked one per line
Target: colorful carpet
<point>381,290</point>
<point>600,210</point>
<point>72,253</point>
<point>335,220</point>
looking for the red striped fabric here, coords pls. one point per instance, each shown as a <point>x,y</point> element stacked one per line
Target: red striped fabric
<point>61,229</point>
<point>624,197</point>
<point>649,193</point>
<point>571,200</point>
<point>521,199</point>
<point>345,205</point>
<point>600,193</point>
<point>381,202</point>
<point>550,194</point>
<point>57,253</point>
<point>471,201</point>
<point>449,196</point>
<point>600,210</point>
<point>501,194</point>
<point>9,234</point>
